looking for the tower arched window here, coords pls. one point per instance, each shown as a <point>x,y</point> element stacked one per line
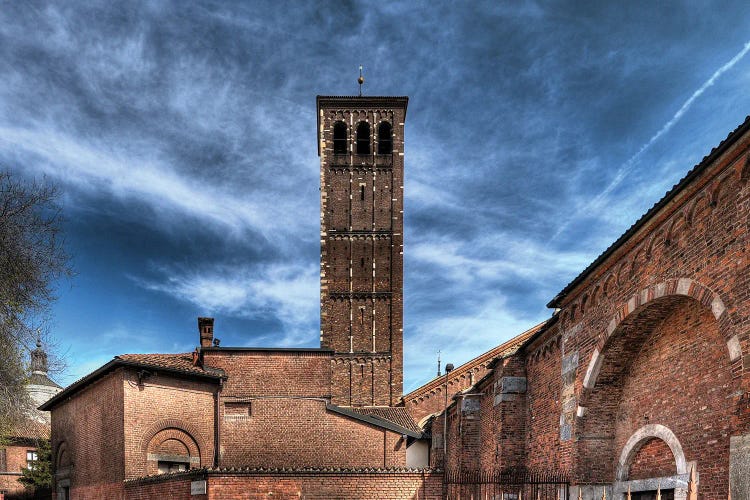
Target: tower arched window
<point>339,138</point>
<point>363,138</point>
<point>385,140</point>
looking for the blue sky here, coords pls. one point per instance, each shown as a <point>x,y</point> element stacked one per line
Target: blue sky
<point>182,137</point>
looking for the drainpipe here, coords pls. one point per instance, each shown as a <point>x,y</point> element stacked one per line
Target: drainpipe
<point>217,423</point>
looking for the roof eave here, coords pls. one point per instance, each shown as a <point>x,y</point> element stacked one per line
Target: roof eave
<point>378,422</point>
<point>111,365</point>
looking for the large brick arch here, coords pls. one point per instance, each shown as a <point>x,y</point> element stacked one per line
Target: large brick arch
<point>203,450</point>
<point>671,288</point>
<point>663,359</point>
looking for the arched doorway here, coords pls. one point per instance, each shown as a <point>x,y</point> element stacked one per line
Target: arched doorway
<point>652,460</point>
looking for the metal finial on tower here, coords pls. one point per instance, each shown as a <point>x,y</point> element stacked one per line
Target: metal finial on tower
<point>39,359</point>
<point>438,364</point>
<point>360,80</point>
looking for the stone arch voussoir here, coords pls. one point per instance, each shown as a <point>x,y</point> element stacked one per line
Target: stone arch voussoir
<point>644,434</point>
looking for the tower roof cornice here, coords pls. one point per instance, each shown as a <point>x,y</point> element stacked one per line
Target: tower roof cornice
<point>365,100</point>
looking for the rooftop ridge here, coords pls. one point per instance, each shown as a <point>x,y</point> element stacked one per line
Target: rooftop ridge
<point>508,347</point>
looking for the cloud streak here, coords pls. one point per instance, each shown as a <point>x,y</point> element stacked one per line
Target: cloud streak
<point>627,167</point>
<point>284,294</point>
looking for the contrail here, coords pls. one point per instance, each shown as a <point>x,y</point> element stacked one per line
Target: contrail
<point>628,165</point>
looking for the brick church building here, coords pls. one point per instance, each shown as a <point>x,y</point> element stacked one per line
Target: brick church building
<point>19,448</point>
<point>639,382</point>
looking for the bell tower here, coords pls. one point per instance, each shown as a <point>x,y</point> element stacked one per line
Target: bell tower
<point>361,148</point>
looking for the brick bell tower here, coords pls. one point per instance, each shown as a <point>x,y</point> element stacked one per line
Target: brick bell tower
<point>361,149</point>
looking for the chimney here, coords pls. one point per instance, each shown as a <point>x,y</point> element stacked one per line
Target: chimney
<point>206,331</point>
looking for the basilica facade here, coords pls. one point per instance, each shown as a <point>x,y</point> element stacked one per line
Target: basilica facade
<point>637,384</point>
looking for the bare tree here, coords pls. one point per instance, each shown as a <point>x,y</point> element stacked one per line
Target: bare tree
<point>32,261</point>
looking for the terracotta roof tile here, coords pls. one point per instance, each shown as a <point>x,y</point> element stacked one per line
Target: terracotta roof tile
<point>504,349</point>
<point>181,362</point>
<point>30,429</point>
<point>397,415</point>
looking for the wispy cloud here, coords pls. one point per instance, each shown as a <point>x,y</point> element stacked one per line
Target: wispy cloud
<point>120,338</point>
<point>286,294</point>
<point>93,168</point>
<point>460,337</point>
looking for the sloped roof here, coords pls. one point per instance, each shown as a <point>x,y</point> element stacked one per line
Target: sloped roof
<point>397,415</point>
<point>504,349</point>
<point>375,420</point>
<point>37,378</point>
<point>698,169</point>
<point>29,429</point>
<point>178,364</point>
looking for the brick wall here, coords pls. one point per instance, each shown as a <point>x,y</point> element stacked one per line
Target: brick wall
<point>159,405</point>
<point>12,460</point>
<point>358,380</point>
<point>272,373</point>
<point>669,385</point>
<point>504,443</point>
<point>430,399</point>
<point>543,372</point>
<point>302,433</point>
<point>693,248</point>
<point>653,459</point>
<point>167,486</point>
<point>310,485</point>
<point>89,427</point>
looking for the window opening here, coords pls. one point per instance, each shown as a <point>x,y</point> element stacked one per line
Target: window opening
<point>363,138</point>
<point>362,193</point>
<point>31,458</point>
<point>385,139</point>
<point>167,467</point>
<point>339,138</point>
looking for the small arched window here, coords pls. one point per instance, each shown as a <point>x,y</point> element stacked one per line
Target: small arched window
<point>339,138</point>
<point>363,138</point>
<point>385,141</point>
